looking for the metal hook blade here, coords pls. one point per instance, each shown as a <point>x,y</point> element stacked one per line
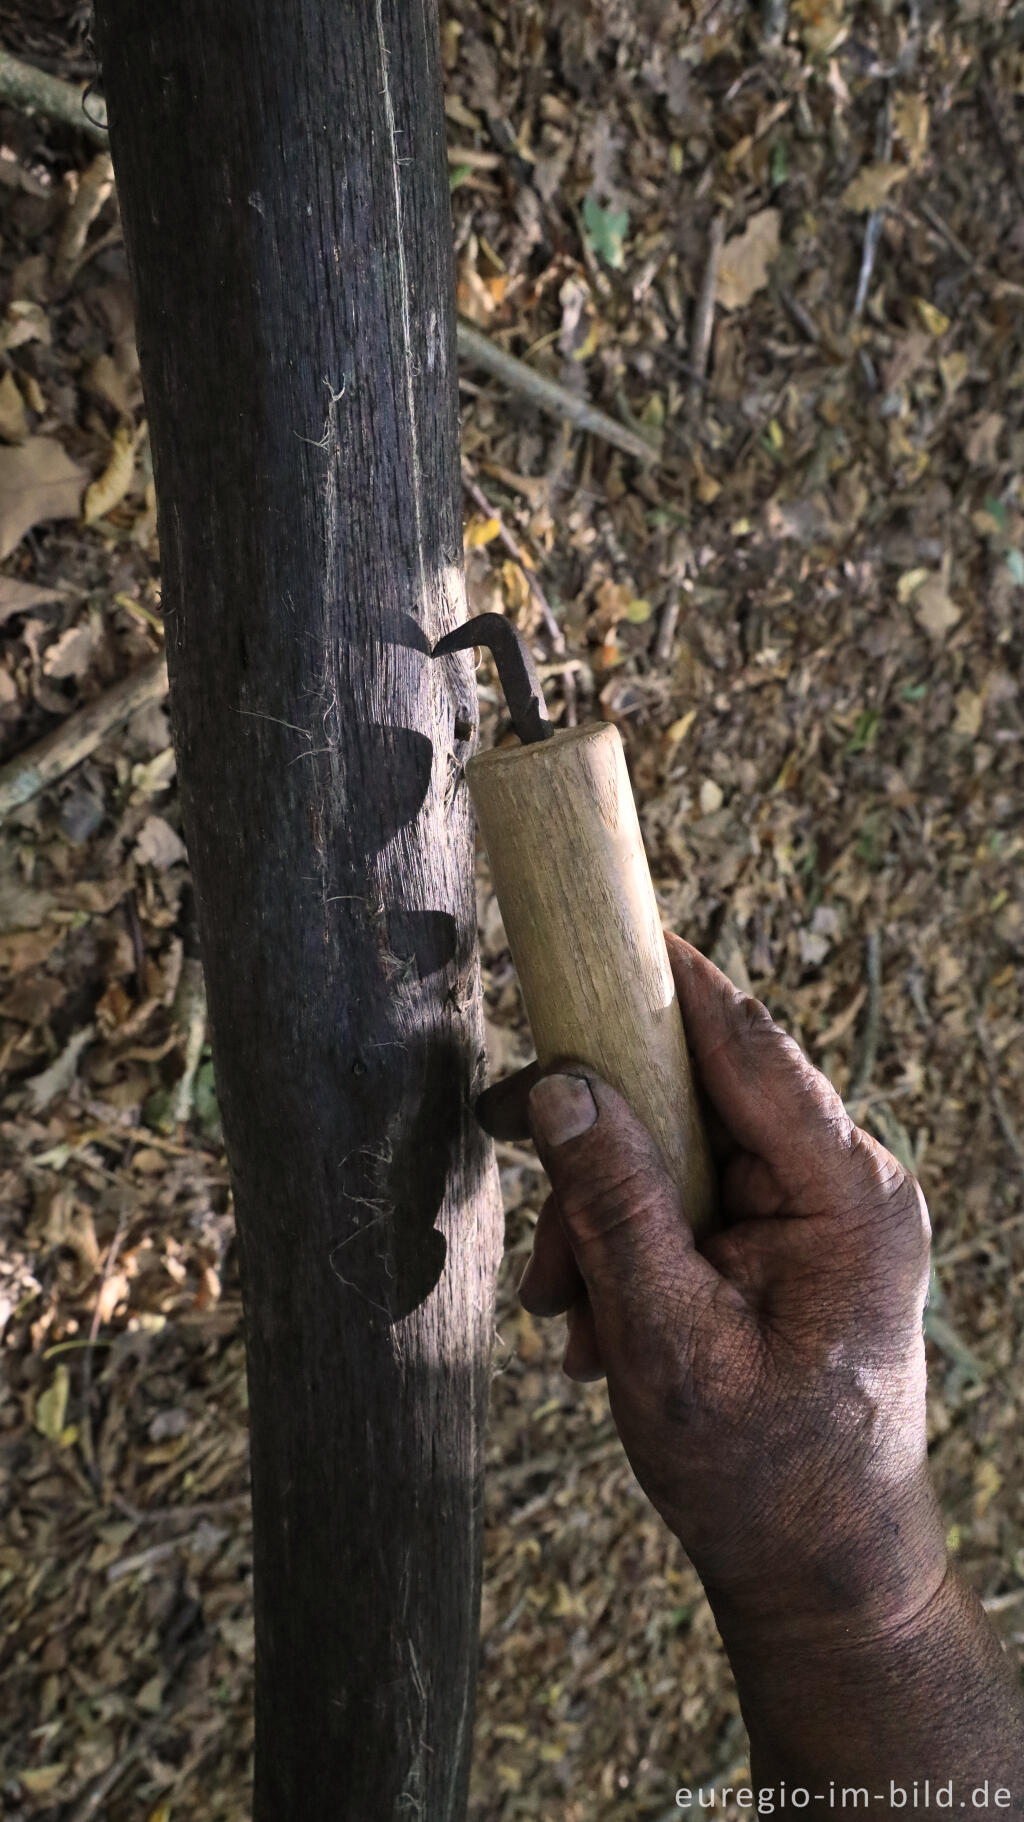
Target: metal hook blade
<point>517,672</point>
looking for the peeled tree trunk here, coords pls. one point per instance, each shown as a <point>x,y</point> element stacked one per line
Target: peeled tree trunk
<point>283,186</point>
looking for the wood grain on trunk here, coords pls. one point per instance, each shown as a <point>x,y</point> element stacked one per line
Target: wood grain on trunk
<point>284,190</point>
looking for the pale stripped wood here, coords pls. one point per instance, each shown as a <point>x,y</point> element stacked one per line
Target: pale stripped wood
<point>567,859</point>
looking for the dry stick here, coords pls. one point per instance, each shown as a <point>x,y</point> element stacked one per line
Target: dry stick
<point>775,18</point>
<point>704,317</point>
<point>549,396</point>
<point>88,1438</point>
<point>43,764</point>
<point>666,638</point>
<point>873,230</point>
<point>36,92</point>
<point>515,551</point>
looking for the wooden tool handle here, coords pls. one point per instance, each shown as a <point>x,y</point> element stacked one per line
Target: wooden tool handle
<point>568,865</point>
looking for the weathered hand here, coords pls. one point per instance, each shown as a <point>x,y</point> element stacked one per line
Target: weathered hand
<point>769,1387</point>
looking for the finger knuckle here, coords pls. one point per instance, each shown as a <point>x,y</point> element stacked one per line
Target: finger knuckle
<point>613,1193</point>
<point>892,1192</point>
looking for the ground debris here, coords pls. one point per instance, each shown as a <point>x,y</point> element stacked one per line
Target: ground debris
<point>806,620</point>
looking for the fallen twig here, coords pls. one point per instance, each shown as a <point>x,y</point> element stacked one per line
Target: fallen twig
<point>873,230</point>
<point>775,18</point>
<point>40,766</point>
<point>36,92</point>
<point>664,643</point>
<point>704,317</point>
<point>549,396</point>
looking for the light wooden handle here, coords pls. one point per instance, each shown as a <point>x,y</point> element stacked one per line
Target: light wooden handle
<point>569,868</point>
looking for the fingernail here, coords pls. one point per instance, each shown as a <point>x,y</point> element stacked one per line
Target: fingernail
<point>561,1107</point>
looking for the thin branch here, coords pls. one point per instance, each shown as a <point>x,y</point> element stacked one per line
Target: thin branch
<point>42,765</point>
<point>704,317</point>
<point>873,230</point>
<point>549,396</point>
<point>35,92</point>
<point>664,644</point>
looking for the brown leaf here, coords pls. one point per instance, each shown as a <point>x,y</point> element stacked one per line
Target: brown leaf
<point>25,321</point>
<point>72,654</point>
<point>109,489</point>
<point>933,608</point>
<point>37,482</point>
<point>743,267</point>
<point>871,186</point>
<point>14,426</point>
<point>983,439</point>
<point>20,597</point>
<point>158,844</point>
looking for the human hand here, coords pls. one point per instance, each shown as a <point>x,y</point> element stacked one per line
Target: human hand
<point>768,1387</point>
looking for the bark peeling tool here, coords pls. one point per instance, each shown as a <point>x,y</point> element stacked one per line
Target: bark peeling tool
<point>560,826</point>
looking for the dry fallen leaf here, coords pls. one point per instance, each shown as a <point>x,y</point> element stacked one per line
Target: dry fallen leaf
<point>953,368</point>
<point>25,321</point>
<point>52,1405</point>
<point>72,654</point>
<point>44,1088</point>
<point>481,531</point>
<point>933,608</point>
<point>14,426</point>
<point>970,708</point>
<point>823,25</point>
<point>910,123</point>
<point>20,597</point>
<point>104,379</point>
<point>42,1780</point>
<point>743,267</point>
<point>109,489</point>
<point>983,439</point>
<point>38,481</point>
<point>871,186</point>
<point>933,319</point>
<point>158,845</point>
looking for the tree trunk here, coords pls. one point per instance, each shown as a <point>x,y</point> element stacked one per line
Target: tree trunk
<point>284,191</point>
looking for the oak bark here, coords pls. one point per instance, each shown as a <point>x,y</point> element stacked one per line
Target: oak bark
<point>284,192</point>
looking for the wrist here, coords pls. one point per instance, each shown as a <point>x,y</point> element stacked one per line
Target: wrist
<point>866,1575</point>
<point>932,1696</point>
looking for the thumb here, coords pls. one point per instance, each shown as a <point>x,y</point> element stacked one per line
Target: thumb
<point>619,1207</point>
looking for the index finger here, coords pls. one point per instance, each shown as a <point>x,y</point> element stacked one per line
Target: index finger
<point>770,1098</point>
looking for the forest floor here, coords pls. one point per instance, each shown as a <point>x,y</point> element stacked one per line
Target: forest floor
<point>807,621</point>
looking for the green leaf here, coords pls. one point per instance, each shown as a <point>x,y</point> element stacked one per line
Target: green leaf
<point>914,692</point>
<point>52,1406</point>
<point>997,511</point>
<point>205,1100</point>
<point>780,163</point>
<point>866,731</point>
<point>1015,565</point>
<point>458,175</point>
<point>606,231</point>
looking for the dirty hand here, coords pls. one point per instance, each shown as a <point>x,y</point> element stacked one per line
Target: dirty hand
<point>769,1386</point>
